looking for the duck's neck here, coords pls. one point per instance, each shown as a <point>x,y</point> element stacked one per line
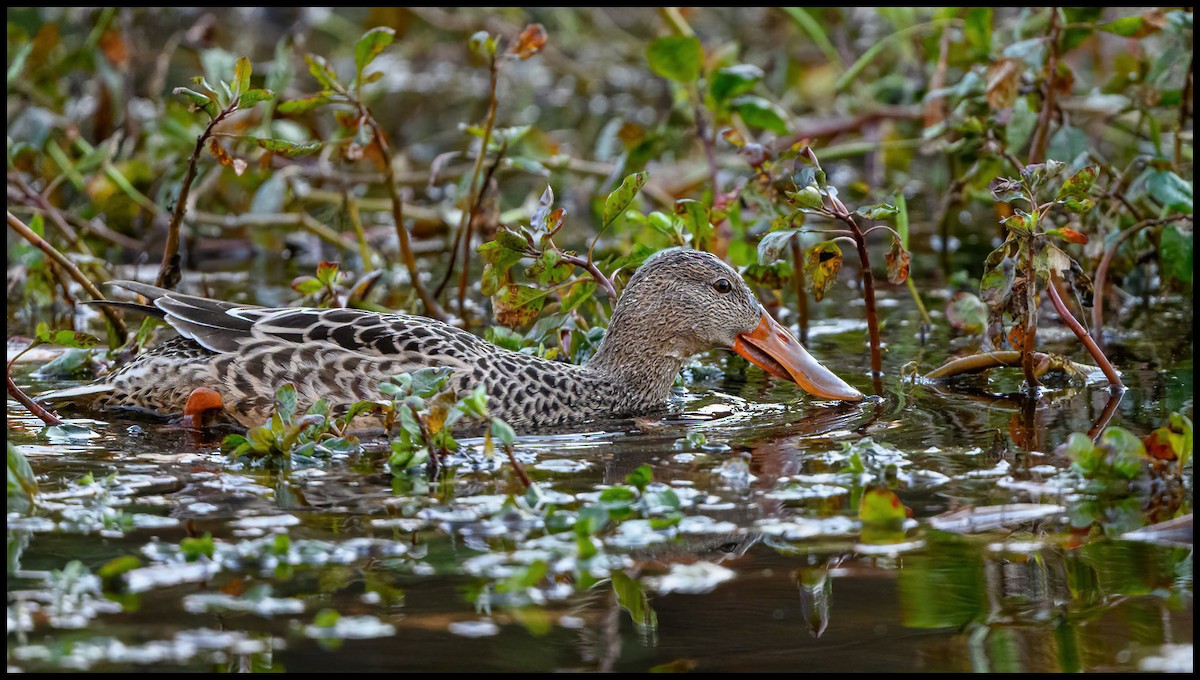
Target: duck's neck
<point>642,368</point>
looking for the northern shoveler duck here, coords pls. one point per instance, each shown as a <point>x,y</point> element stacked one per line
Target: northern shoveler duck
<point>677,304</point>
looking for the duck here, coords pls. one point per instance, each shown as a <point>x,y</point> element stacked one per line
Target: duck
<point>678,304</point>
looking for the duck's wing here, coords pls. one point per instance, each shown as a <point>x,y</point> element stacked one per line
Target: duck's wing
<point>225,326</point>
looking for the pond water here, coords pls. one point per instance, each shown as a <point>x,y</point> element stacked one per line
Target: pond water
<point>149,550</point>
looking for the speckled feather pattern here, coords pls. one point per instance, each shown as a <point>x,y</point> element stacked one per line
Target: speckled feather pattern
<point>667,313</point>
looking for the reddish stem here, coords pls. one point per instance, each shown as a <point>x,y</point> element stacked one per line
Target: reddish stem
<point>1102,269</point>
<point>1079,331</point>
<point>801,297</point>
<point>1041,137</point>
<point>48,417</point>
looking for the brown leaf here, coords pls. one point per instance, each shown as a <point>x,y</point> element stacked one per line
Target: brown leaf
<point>897,262</point>
<point>225,158</point>
<point>114,49</point>
<point>530,42</point>
<point>1003,79</point>
<point>822,262</point>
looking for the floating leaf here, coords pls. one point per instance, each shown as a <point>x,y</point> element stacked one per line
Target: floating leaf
<point>677,58</point>
<point>622,196</point>
<point>760,113</point>
<point>897,262</point>
<point>371,45</point>
<point>531,41</point>
<point>224,158</point>
<point>822,262</point>
<point>732,81</point>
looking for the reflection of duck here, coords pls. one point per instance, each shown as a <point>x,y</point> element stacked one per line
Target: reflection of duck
<point>678,304</point>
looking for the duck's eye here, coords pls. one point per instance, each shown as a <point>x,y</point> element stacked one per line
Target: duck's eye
<point>723,285</point>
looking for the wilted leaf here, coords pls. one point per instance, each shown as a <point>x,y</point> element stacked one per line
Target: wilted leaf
<point>822,262</point>
<point>224,158</point>
<point>530,42</point>
<point>1003,79</point>
<point>677,58</point>
<point>1068,235</point>
<point>1079,184</point>
<point>622,196</point>
<point>517,305</point>
<point>1020,222</point>
<point>369,46</point>
<point>1038,173</point>
<point>897,262</point>
<point>732,81</point>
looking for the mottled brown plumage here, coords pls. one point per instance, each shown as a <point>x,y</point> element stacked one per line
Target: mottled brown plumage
<point>678,304</point>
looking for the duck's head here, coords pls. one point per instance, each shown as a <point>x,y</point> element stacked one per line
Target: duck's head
<point>682,302</point>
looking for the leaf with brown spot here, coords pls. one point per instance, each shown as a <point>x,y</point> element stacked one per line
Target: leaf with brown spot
<point>822,262</point>
<point>897,262</point>
<point>517,305</point>
<point>530,42</point>
<point>1068,235</point>
<point>1003,80</point>
<point>224,158</point>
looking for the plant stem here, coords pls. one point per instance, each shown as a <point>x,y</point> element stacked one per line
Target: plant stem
<point>1081,333</point>
<point>590,267</point>
<point>1102,269</point>
<point>29,235</point>
<point>432,308</point>
<point>868,280</point>
<point>1030,334</point>
<point>798,280</point>
<point>35,408</point>
<point>1041,135</point>
<point>169,271</point>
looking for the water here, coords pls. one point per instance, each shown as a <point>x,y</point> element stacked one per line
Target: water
<point>339,567</point>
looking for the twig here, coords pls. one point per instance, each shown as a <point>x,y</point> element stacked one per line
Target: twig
<point>1081,333</point>
<point>1041,135</point>
<point>591,268</point>
<point>169,271</point>
<point>29,235</point>
<point>1101,277</point>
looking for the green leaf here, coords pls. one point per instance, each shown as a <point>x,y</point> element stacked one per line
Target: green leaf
<point>1079,184</point>
<point>822,262</point>
<point>771,247</point>
<point>517,305</point>
<point>285,402</point>
<point>578,294</point>
<point>678,58</point>
<point>371,45</point>
<point>296,106</point>
<point>760,113</point>
<point>251,97</point>
<point>808,198</point>
<point>483,44</point>
<point>732,81</point>
<point>22,484</point>
<point>1125,452</point>
<point>1177,253</point>
<point>1171,190</point>
<point>287,149</point>
<point>695,218</point>
<point>967,313</point>
<point>1135,27</point>
<point>503,432</point>
<point>427,382</point>
<point>206,103</point>
<point>1021,124</point>
<point>64,338</point>
<point>879,211</point>
<point>881,506</point>
<point>640,478</point>
<point>241,77</point>
<point>622,196</point>
<point>322,72</point>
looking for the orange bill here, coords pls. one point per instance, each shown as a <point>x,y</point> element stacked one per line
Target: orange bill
<point>772,348</point>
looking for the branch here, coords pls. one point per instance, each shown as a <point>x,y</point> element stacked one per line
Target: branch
<point>29,235</point>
